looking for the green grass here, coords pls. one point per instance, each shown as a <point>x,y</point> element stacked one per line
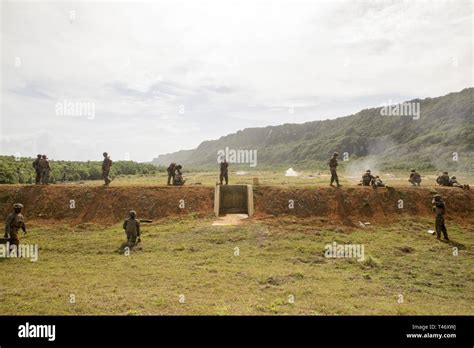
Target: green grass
<point>279,258</point>
<point>278,178</point>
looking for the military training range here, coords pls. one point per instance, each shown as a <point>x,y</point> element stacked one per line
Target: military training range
<point>248,158</point>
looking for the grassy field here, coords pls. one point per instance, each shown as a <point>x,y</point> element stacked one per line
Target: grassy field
<point>277,178</point>
<point>188,266</point>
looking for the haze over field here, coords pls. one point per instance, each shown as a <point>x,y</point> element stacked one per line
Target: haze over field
<point>161,77</point>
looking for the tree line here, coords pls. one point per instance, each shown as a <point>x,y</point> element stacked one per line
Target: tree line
<point>20,170</point>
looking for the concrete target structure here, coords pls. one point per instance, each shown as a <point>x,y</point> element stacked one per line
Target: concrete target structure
<point>233,199</point>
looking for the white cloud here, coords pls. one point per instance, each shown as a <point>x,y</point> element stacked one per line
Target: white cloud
<point>167,75</point>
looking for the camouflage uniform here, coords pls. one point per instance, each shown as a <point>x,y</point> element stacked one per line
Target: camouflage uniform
<point>415,178</point>
<point>178,179</point>
<point>224,172</point>
<point>332,167</point>
<point>106,165</point>
<point>367,179</point>
<point>13,223</point>
<point>132,229</point>
<point>171,172</point>
<point>37,170</point>
<point>44,168</point>
<point>443,180</point>
<point>378,182</point>
<point>454,182</point>
<point>439,208</point>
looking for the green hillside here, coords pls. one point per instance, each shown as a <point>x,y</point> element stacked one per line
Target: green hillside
<point>445,126</point>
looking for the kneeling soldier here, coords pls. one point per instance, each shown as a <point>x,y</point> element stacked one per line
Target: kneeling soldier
<point>415,178</point>
<point>367,179</point>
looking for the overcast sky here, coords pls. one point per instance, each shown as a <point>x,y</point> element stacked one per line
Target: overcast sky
<point>166,75</point>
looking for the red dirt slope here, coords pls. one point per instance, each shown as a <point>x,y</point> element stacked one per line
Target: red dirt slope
<point>111,205</point>
<point>105,205</point>
<point>352,203</point>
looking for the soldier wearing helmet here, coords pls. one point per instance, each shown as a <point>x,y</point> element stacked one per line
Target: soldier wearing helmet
<point>455,183</point>
<point>224,172</point>
<point>178,179</point>
<point>131,226</point>
<point>367,179</point>
<point>333,169</point>
<point>171,173</point>
<point>36,166</point>
<point>443,180</point>
<point>439,208</point>
<point>378,182</point>
<point>44,169</point>
<point>106,165</point>
<point>415,178</point>
<point>14,222</point>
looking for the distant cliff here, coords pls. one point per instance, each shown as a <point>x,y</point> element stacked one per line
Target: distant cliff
<point>445,126</point>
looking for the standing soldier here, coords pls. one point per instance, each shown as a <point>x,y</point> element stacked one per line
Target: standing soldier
<point>37,169</point>
<point>14,222</point>
<point>106,165</point>
<point>224,174</point>
<point>332,167</point>
<point>439,208</point>
<point>415,178</point>
<point>171,171</point>
<point>132,230</point>
<point>45,168</point>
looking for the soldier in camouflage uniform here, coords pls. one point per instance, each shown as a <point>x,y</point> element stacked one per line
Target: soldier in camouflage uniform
<point>132,230</point>
<point>439,208</point>
<point>415,178</point>
<point>178,179</point>
<point>332,167</point>
<point>106,165</point>
<point>443,180</point>
<point>455,183</point>
<point>37,169</point>
<point>171,172</point>
<point>224,172</point>
<point>378,182</point>
<point>45,169</point>
<point>14,222</point>
<point>367,179</point>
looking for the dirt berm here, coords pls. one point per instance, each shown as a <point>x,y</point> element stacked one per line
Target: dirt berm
<point>79,204</point>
